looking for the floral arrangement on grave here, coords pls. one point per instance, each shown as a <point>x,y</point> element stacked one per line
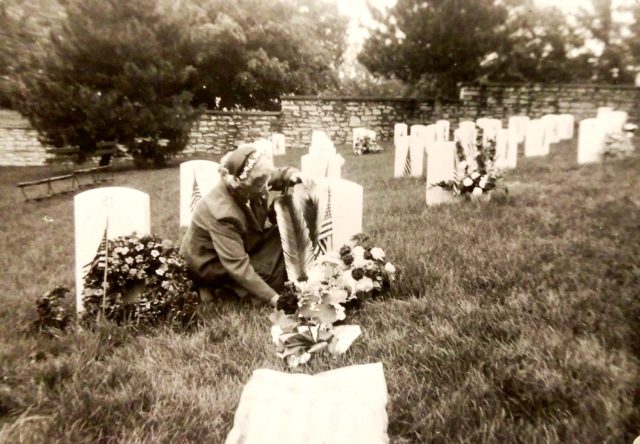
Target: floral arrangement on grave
<point>365,143</point>
<point>477,176</point>
<point>323,286</point>
<point>140,280</point>
<point>619,144</point>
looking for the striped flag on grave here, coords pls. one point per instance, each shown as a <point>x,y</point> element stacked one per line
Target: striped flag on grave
<point>195,194</point>
<point>100,259</point>
<point>407,163</point>
<point>325,233</point>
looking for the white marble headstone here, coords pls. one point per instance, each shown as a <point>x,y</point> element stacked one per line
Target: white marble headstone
<point>399,130</point>
<point>118,210</point>
<point>400,162</point>
<point>442,130</point>
<point>502,142</point>
<point>520,123</point>
<point>534,144</point>
<point>467,136</point>
<point>603,110</point>
<point>417,149</point>
<point>277,140</point>
<point>346,207</point>
<point>265,146</point>
<point>441,166</point>
<point>512,147</point>
<point>321,143</point>
<point>321,165</point>
<point>614,121</point>
<point>566,126</point>
<point>429,136</point>
<point>358,133</point>
<point>197,177</point>
<point>591,134</point>
<point>551,124</point>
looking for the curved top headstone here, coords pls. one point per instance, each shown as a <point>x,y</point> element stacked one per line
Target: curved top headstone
<point>105,213</point>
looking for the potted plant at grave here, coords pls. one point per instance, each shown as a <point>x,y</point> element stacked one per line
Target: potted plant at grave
<point>477,177</point>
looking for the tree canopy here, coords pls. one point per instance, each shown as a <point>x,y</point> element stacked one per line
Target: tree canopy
<point>134,73</point>
<point>436,44</point>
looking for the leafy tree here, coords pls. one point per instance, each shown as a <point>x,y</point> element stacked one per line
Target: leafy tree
<point>541,46</point>
<point>615,63</point>
<point>434,44</point>
<point>114,72</point>
<point>24,28</point>
<point>248,53</point>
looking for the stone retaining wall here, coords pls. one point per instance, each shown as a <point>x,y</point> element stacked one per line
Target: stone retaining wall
<point>217,131</point>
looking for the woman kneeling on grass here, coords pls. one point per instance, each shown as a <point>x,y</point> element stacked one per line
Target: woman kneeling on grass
<point>233,241</point>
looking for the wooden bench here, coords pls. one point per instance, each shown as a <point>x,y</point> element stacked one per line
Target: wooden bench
<point>97,174</point>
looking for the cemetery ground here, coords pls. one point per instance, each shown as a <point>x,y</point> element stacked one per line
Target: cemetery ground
<point>514,320</point>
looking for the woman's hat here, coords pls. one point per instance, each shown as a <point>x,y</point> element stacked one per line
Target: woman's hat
<point>240,161</point>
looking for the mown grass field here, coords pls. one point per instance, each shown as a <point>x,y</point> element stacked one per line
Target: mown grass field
<point>515,320</point>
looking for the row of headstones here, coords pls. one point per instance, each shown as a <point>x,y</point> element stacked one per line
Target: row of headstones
<point>431,143</point>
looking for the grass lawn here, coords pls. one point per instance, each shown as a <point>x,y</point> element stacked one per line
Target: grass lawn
<point>516,320</point>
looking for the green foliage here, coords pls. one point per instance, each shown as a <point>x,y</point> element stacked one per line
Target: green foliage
<point>24,29</point>
<point>114,72</point>
<point>617,61</point>
<point>294,48</point>
<point>435,45</point>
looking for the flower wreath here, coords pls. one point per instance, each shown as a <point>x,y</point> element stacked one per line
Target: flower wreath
<point>139,279</point>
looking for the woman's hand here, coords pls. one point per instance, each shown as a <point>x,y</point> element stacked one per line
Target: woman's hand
<point>274,300</point>
<point>295,178</point>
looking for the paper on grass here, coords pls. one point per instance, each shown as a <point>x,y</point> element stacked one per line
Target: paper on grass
<point>346,405</point>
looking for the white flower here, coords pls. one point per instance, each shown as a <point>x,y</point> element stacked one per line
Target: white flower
<point>359,263</point>
<point>483,182</point>
<point>276,331</point>
<point>462,165</point>
<point>477,191</point>
<point>389,268</point>
<point>365,284</point>
<point>475,175</point>
<point>155,253</point>
<point>467,182</point>
<point>358,252</point>
<point>129,260</point>
<point>377,253</point>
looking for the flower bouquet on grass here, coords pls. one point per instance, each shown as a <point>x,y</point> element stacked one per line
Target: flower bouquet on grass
<point>366,143</point>
<point>475,177</point>
<point>322,287</point>
<point>619,144</point>
<point>140,280</point>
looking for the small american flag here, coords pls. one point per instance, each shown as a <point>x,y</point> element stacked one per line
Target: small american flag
<point>407,163</point>
<point>325,234</point>
<point>100,259</point>
<point>195,194</point>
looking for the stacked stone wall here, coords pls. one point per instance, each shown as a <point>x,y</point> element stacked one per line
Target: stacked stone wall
<point>218,131</point>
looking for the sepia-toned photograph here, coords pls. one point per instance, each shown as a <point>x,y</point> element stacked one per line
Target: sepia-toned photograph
<point>320,221</point>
